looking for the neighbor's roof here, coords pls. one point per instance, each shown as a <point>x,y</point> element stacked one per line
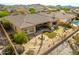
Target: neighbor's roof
<point>27,20</point>
<point>59,15</point>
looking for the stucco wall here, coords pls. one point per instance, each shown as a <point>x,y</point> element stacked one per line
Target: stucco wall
<point>16,29</point>
<point>30,30</point>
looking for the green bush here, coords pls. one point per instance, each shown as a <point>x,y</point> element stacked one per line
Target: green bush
<point>4,13</point>
<point>5,23</point>
<point>20,37</point>
<point>32,10</point>
<point>63,8</point>
<point>9,51</point>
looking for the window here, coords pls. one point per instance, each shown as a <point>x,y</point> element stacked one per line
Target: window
<point>29,30</point>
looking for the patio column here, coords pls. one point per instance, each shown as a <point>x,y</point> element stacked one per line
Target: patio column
<point>50,25</point>
<point>34,29</point>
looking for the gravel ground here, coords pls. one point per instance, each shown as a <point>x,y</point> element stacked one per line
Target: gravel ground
<point>34,44</point>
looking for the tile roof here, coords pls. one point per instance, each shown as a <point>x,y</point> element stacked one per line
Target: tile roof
<point>28,20</point>
<point>59,15</point>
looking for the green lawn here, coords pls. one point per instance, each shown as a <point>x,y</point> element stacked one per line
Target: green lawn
<point>60,30</point>
<point>50,35</point>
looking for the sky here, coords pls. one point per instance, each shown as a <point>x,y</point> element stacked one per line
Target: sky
<point>44,2</point>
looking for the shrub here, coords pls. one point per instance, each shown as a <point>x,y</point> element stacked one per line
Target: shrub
<point>4,13</point>
<point>5,23</point>
<point>20,37</point>
<point>9,51</point>
<point>32,10</point>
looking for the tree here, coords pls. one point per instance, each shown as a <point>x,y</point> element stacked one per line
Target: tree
<point>5,23</point>
<point>32,10</point>
<point>20,37</point>
<point>4,13</point>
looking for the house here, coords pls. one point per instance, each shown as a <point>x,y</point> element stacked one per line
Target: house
<point>76,10</point>
<point>65,16</point>
<point>30,23</point>
<point>37,7</point>
<point>59,15</point>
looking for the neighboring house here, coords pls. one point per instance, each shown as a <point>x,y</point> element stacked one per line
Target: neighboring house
<point>30,23</point>
<point>76,11</point>
<point>64,16</point>
<point>59,15</point>
<point>37,7</point>
<point>17,10</point>
<point>11,10</point>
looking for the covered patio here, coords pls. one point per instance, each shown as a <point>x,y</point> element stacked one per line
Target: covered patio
<point>44,26</point>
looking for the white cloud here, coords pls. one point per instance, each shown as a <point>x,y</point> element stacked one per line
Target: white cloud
<point>46,2</point>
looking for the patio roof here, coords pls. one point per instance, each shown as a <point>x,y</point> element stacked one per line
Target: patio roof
<point>15,20</point>
<point>37,19</point>
<point>27,20</point>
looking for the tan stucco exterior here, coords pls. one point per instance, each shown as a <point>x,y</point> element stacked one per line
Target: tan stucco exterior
<point>16,29</point>
<point>29,30</point>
